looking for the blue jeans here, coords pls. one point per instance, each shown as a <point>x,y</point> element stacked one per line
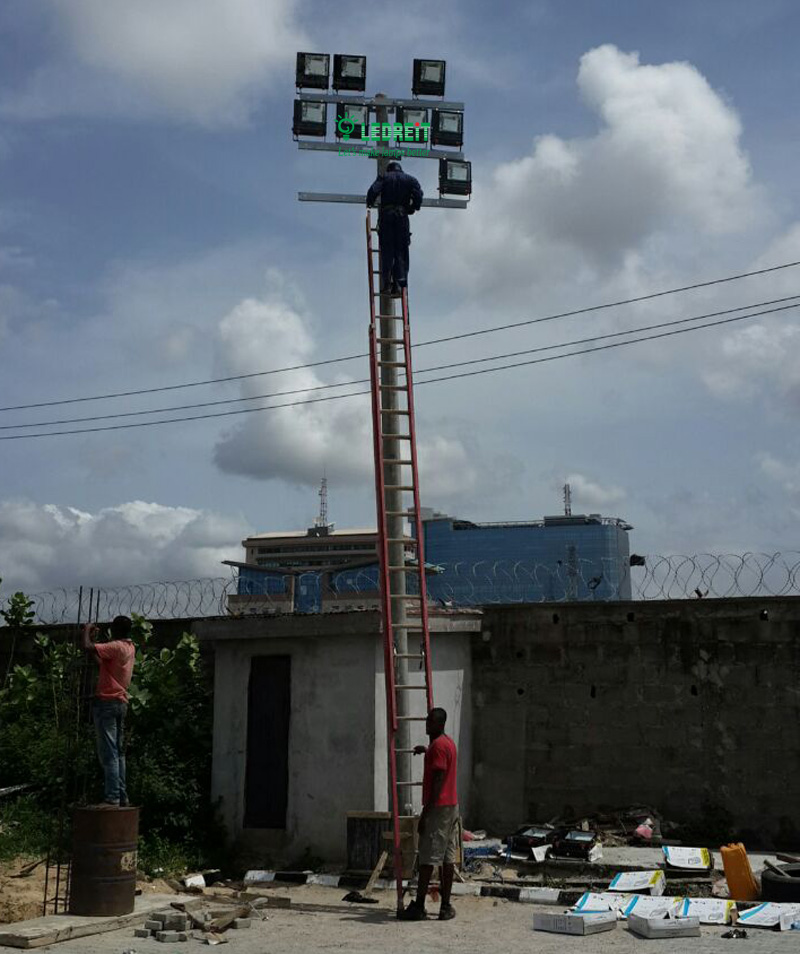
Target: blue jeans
<point>109,720</point>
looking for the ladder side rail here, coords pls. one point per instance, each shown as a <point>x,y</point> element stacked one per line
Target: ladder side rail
<point>423,588</point>
<point>384,576</point>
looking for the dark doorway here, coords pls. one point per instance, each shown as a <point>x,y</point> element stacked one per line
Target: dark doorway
<point>266,791</point>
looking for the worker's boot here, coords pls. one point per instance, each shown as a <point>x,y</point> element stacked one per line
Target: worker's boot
<point>414,912</point>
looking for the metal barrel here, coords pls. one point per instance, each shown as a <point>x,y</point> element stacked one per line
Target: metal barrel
<point>103,873</point>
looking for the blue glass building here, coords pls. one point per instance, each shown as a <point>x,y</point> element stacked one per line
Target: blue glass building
<point>555,559</point>
<point>558,558</point>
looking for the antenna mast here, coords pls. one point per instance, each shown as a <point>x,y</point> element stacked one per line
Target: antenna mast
<point>567,501</point>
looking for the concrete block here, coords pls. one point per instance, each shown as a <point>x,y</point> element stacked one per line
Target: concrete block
<point>142,932</point>
<point>167,937</point>
<point>154,925</point>
<point>175,922</point>
<point>241,923</point>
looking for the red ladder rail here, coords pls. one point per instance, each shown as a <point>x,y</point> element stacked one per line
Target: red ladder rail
<point>408,484</point>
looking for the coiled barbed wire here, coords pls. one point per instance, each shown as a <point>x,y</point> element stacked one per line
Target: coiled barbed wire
<point>456,585</point>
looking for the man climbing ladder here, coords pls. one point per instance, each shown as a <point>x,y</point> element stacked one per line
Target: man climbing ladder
<point>401,196</point>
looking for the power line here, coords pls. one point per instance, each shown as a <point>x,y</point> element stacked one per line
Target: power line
<point>441,367</point>
<point>449,377</point>
<point>421,344</point>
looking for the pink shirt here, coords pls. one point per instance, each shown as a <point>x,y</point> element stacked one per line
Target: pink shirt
<point>116,668</point>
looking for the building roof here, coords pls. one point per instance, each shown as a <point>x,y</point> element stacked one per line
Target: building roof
<point>303,534</point>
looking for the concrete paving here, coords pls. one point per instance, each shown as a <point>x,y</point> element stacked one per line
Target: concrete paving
<point>481,924</point>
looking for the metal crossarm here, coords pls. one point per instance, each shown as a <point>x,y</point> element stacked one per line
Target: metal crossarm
<point>393,410</point>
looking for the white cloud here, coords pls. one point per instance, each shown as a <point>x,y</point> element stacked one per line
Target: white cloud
<point>203,61</point>
<point>787,476</point>
<point>46,546</point>
<point>666,157</point>
<point>297,444</point>
<point>587,493</point>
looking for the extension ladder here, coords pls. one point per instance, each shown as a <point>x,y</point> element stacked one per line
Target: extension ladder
<point>396,477</point>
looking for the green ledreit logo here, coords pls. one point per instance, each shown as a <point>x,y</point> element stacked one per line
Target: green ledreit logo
<point>384,132</point>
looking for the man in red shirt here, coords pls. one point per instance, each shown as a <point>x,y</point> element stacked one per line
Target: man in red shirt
<point>438,822</point>
<point>111,704</point>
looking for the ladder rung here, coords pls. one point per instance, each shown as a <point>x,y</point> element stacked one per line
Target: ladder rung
<point>398,751</point>
<point>408,655</point>
<point>399,513</point>
<point>393,387</point>
<point>409,784</point>
<point>388,411</point>
<point>390,340</point>
<point>396,317</point>
<point>409,541</point>
<point>403,568</point>
<point>398,487</point>
<point>412,718</point>
<point>403,596</point>
<point>392,364</point>
<point>425,688</point>
<point>397,460</point>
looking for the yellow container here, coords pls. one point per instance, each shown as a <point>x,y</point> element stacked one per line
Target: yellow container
<point>742,883</point>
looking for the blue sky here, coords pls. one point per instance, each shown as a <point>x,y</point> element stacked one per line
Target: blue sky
<point>150,235</point>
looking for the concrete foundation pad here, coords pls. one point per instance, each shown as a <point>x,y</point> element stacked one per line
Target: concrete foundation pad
<point>37,932</point>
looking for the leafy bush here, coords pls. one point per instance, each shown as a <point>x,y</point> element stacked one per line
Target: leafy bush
<point>46,742</point>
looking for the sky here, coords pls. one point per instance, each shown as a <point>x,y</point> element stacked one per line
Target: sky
<point>150,236</point>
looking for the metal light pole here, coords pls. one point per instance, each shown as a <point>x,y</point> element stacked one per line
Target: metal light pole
<point>393,447</point>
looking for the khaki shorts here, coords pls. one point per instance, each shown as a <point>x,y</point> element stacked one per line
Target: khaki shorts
<point>439,842</point>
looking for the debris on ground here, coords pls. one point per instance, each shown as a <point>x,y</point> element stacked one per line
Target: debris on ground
<point>771,914</point>
<point>581,924</point>
<point>735,933</point>
<point>688,859</point>
<point>664,927</point>
<point>652,882</point>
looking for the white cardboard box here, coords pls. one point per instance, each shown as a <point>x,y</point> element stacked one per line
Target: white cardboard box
<point>653,882</point>
<point>708,910</point>
<point>664,927</point>
<point>688,859</point>
<point>647,907</point>
<point>598,902</point>
<point>575,923</point>
<point>771,914</point>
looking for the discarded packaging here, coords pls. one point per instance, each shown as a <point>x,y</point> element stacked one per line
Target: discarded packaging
<point>653,882</point>
<point>575,843</point>
<point>209,937</point>
<point>664,927</point>
<point>575,923</point>
<point>708,910</point>
<point>598,902</point>
<point>688,859</point>
<point>194,881</point>
<point>647,907</point>
<point>771,914</point>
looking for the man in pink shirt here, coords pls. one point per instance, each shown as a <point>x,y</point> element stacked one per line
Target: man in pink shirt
<point>115,659</point>
<point>438,822</point>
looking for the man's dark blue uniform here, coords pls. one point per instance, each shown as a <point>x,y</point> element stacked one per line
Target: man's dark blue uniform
<point>401,196</point>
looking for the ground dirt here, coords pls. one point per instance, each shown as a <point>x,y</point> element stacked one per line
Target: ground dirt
<point>481,924</point>
<point>21,898</point>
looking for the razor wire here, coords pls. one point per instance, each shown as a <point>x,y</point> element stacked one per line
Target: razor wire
<point>459,585</point>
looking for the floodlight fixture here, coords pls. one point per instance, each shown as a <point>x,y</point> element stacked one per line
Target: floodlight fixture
<point>428,78</point>
<point>351,120</point>
<point>447,127</point>
<point>310,118</point>
<point>312,70</point>
<point>349,72</point>
<point>455,176</point>
<point>416,118</point>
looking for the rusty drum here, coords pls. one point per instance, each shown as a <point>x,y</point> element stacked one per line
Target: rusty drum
<point>103,875</point>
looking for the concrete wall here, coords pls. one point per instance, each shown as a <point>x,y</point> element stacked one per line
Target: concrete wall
<point>337,735</point>
<point>690,707</point>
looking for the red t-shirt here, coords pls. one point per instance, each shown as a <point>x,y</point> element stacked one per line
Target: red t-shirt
<point>440,757</point>
<point>116,668</point>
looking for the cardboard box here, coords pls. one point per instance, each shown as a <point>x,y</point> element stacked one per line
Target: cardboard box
<point>575,923</point>
<point>664,927</point>
<point>652,882</point>
<point>599,902</point>
<point>658,907</point>
<point>771,914</point>
<point>708,910</point>
<point>688,859</point>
